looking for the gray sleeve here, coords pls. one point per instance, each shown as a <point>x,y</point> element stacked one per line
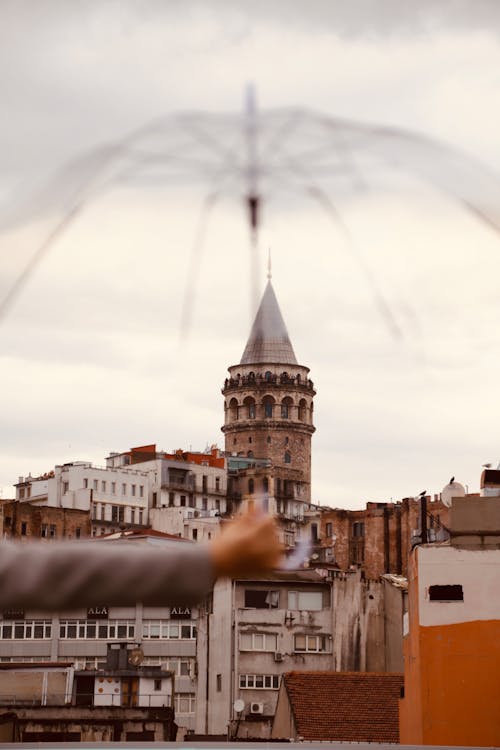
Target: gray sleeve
<point>52,576</point>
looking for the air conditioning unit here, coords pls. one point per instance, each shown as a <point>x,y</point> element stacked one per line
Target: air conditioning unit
<point>256,708</point>
<point>278,656</point>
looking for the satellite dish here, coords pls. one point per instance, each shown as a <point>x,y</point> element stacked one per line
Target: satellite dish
<point>239,705</point>
<point>136,656</point>
<point>453,489</point>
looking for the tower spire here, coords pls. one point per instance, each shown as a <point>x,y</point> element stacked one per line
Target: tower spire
<point>269,272</point>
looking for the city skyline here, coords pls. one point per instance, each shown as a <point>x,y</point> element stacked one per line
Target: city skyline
<point>91,359</point>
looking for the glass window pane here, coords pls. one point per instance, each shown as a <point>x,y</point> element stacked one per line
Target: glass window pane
<point>258,642</point>
<point>38,630</point>
<point>312,600</point>
<point>7,631</point>
<point>174,631</point>
<point>259,681</point>
<point>91,630</point>
<point>300,643</point>
<point>103,631</point>
<point>311,643</point>
<point>250,680</point>
<point>242,681</point>
<point>246,641</point>
<point>154,629</point>
<point>186,631</point>
<point>292,600</point>
<point>71,630</point>
<point>122,631</point>
<point>185,668</point>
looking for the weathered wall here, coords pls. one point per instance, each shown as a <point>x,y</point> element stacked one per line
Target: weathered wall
<point>358,624</point>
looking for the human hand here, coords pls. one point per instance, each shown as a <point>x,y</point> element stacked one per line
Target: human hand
<point>247,546</point>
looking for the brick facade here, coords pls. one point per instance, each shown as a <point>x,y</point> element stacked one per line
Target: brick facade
<point>378,539</point>
<point>27,520</point>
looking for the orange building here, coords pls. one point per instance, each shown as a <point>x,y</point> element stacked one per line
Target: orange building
<point>452,633</point>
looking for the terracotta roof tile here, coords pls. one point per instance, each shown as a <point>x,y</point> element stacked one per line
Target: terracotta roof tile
<point>345,706</point>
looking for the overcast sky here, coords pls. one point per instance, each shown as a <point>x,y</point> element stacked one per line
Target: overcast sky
<point>90,353</point>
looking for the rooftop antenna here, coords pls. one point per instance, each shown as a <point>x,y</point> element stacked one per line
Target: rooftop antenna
<point>252,198</point>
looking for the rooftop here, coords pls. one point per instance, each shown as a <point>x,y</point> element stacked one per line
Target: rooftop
<point>269,341</point>
<point>345,706</point>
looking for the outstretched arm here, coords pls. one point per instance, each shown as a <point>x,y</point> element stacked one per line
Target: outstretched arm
<point>73,575</point>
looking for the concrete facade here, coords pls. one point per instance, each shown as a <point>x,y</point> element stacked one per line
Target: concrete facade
<point>451,643</point>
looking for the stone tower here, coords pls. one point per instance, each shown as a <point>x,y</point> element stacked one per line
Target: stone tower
<point>268,407</point>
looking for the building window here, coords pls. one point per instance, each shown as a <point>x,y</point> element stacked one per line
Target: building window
<point>258,642</point>
<point>265,484</point>
<point>268,408</point>
<point>124,489</point>
<point>195,535</point>
<point>85,483</point>
<point>219,683</point>
<point>114,513</point>
<point>183,501</point>
<point>250,454</point>
<point>288,457</point>
<point>132,515</point>
<point>358,529</point>
<point>268,375</point>
<point>184,703</point>
<point>65,487</point>
<point>284,410</point>
<point>97,629</point>
<point>77,532</point>
<point>21,493</point>
<point>94,484</point>
<point>311,643</point>
<point>113,488</point>
<point>44,531</point>
<point>103,486</point>
<point>121,513</point>
<point>204,503</point>
<point>329,529</point>
<point>141,490</point>
<point>168,630</point>
<point>25,630</point>
<point>446,593</point>
<point>204,483</point>
<point>259,599</point>
<point>24,528</point>
<point>171,499</point>
<point>259,681</point>
<point>133,490</point>
<point>217,484</point>
<point>305,600</point>
<point>140,517</point>
<point>157,685</point>
<point>191,502</point>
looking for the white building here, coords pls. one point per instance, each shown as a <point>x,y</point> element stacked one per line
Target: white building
<point>179,493</point>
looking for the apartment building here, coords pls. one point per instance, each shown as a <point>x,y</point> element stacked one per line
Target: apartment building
<point>156,638</point>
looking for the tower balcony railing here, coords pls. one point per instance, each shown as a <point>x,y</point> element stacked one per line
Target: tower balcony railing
<point>261,382</point>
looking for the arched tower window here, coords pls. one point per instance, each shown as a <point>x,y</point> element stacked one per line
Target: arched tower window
<point>288,457</point>
<point>233,410</point>
<point>249,404</point>
<point>286,408</point>
<point>268,376</point>
<point>302,410</point>
<point>268,403</point>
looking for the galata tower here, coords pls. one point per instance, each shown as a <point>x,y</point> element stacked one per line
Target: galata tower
<point>268,409</point>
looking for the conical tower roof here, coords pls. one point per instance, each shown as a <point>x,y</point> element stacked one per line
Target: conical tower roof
<point>268,340</point>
